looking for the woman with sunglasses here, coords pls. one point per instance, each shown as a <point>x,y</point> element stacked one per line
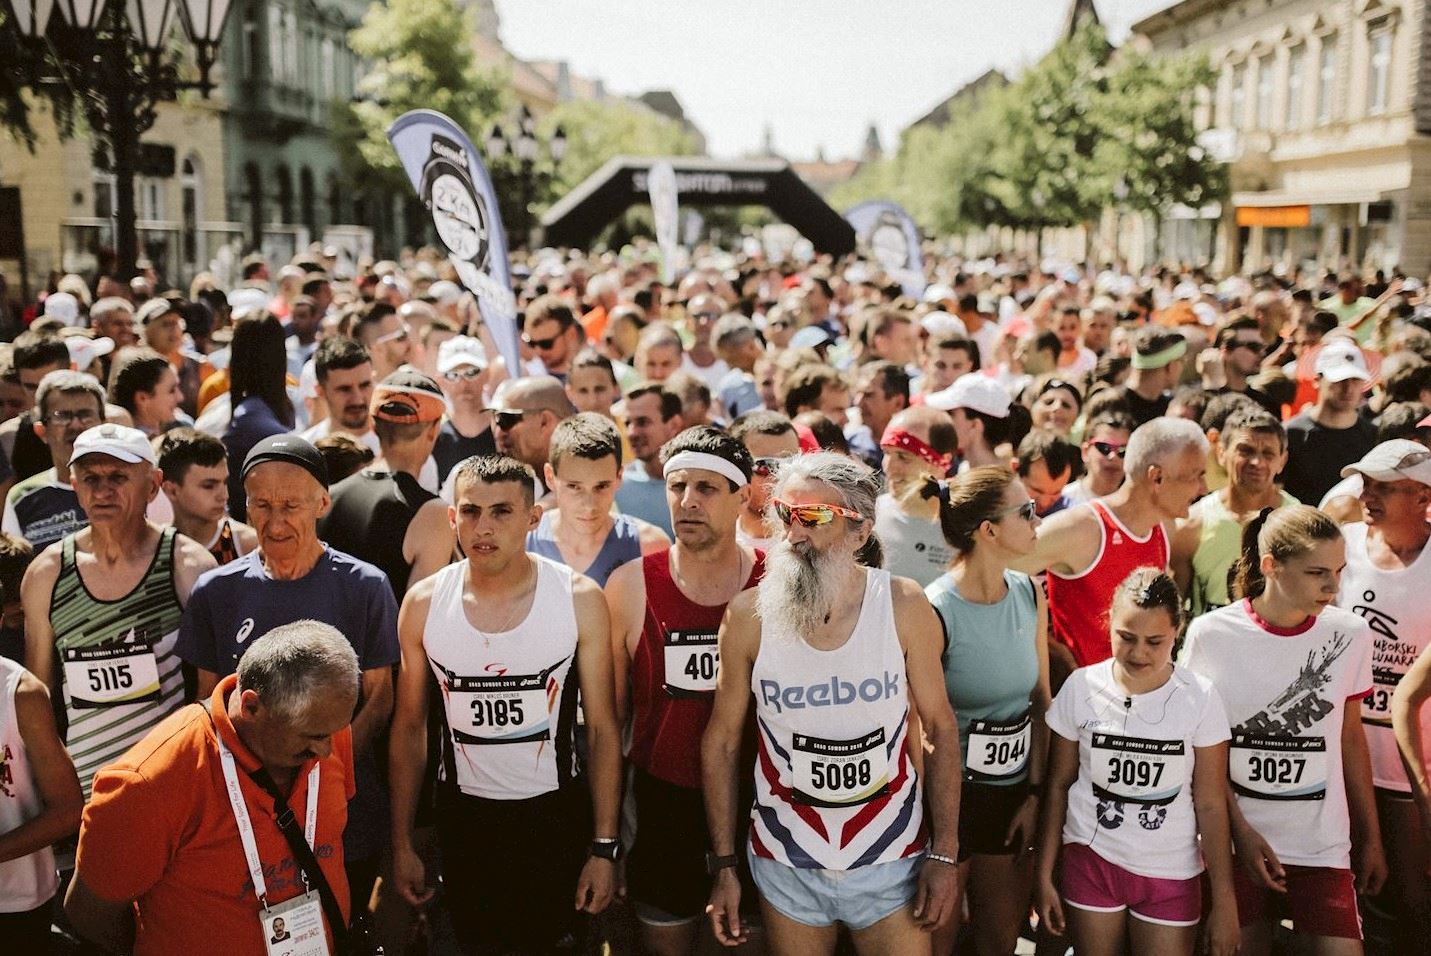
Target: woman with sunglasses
<point>1055,404</point>
<point>996,675</point>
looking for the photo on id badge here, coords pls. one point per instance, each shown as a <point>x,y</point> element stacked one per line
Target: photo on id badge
<point>295,928</point>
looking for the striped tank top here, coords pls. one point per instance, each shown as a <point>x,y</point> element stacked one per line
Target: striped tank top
<point>119,672</point>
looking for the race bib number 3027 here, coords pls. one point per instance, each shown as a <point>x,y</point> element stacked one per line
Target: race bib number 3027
<point>1138,770</point>
<point>839,773</point>
<point>111,674</point>
<point>692,660</point>
<point>1278,768</point>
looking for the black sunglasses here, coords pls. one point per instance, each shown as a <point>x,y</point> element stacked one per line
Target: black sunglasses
<point>508,419</point>
<point>541,344</point>
<point>1106,448</point>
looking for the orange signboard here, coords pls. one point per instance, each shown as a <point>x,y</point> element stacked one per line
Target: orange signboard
<point>1279,217</point>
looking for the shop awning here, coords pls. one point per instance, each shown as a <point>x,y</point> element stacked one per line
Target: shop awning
<point>1303,197</point>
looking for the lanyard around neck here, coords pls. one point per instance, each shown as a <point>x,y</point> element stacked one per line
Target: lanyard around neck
<point>245,825</point>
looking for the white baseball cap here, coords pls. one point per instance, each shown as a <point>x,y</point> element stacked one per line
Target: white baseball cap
<point>444,292</point>
<point>938,293</point>
<point>62,306</point>
<point>84,350</point>
<point>460,350</point>
<point>941,325</point>
<point>116,441</point>
<point>1339,360</point>
<point>247,299</point>
<point>974,391</point>
<point>1397,460</point>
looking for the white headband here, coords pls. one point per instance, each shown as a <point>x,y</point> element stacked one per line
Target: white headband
<point>706,462</point>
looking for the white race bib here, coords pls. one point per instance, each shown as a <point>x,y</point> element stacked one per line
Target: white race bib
<point>998,750</point>
<point>1136,769</point>
<point>111,674</point>
<point>692,661</point>
<point>1376,706</point>
<point>839,773</point>
<point>510,709</point>
<point>295,927</point>
<point>1266,767</point>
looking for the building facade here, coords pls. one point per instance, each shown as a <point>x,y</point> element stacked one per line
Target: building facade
<point>1321,112</point>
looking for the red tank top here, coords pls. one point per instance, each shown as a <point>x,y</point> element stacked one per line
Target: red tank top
<point>1079,603</point>
<point>670,706</point>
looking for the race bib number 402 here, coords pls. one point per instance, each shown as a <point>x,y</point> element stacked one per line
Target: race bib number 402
<point>510,709</point>
<point>1278,768</point>
<point>692,660</point>
<point>839,773</point>
<point>1138,770</point>
<point>111,674</point>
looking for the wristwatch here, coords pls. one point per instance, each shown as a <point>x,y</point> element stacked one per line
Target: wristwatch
<point>606,849</point>
<point>714,864</point>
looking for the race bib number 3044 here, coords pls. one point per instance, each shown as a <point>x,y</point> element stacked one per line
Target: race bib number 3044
<point>998,750</point>
<point>1138,770</point>
<point>1278,768</point>
<point>692,660</point>
<point>839,773</point>
<point>111,674</point>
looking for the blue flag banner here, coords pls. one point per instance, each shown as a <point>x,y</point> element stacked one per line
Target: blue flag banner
<point>889,235</point>
<point>456,190</point>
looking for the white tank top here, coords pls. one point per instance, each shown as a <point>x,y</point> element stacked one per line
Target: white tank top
<point>508,705</point>
<point>834,785</point>
<point>30,881</point>
<point>1400,619</point>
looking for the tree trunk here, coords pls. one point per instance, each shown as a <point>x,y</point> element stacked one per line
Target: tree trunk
<point>124,142</point>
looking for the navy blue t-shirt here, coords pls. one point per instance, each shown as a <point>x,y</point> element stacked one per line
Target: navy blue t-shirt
<point>238,602</point>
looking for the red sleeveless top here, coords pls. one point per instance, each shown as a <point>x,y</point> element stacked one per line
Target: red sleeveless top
<point>669,711</point>
<point>1078,604</point>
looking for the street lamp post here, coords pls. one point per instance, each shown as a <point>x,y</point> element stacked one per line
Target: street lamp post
<point>525,149</point>
<point>113,57</point>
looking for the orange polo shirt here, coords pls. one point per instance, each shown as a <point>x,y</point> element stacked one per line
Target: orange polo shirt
<point>159,830</point>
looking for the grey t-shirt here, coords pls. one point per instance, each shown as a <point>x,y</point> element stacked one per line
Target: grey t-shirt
<point>913,547</point>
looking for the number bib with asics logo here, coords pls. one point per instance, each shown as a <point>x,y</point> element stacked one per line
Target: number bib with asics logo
<point>839,773</point>
<point>1376,706</point>
<point>692,661</point>
<point>510,709</point>
<point>1138,770</point>
<point>1278,768</point>
<point>111,674</point>
<point>998,750</point>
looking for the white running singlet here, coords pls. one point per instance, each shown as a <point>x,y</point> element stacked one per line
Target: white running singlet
<point>508,706</point>
<point>31,880</point>
<point>834,785</point>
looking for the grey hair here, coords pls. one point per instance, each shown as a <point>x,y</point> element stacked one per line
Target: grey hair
<point>856,483</point>
<point>295,664</point>
<point>68,382</point>
<point>1159,440</point>
<point>732,330</point>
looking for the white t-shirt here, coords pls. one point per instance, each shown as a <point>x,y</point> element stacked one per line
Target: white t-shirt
<point>1132,803</point>
<point>1395,607</point>
<point>1286,695</point>
<point>709,374</point>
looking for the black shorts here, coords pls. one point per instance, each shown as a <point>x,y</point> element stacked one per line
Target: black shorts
<point>510,867</point>
<point>666,871</point>
<point>985,812</point>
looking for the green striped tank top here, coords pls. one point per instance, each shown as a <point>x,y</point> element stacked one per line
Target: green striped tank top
<point>118,668</point>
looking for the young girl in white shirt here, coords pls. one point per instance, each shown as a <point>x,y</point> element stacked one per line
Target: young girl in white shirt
<point>1137,772</point>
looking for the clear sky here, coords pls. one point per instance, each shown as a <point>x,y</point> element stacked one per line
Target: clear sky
<point>817,71</point>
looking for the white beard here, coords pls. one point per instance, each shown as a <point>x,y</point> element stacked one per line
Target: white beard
<point>799,588</point>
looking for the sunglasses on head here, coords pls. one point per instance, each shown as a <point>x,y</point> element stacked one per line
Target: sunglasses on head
<point>396,335</point>
<point>1026,511</point>
<point>467,372</point>
<point>1107,448</point>
<point>811,516</point>
<point>765,467</point>
<point>706,316</point>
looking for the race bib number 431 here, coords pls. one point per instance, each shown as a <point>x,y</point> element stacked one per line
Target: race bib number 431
<point>111,674</point>
<point>839,773</point>
<point>692,660</point>
<point>1278,768</point>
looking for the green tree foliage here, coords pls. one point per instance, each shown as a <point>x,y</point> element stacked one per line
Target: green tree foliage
<point>419,58</point>
<point>597,130</point>
<point>1051,148</point>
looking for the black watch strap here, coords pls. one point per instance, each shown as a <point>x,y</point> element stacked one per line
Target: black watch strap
<point>714,864</point>
<point>606,849</point>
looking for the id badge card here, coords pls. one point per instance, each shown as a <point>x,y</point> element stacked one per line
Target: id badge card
<point>998,749</point>
<point>1136,769</point>
<point>692,661</point>
<point>839,773</point>
<point>111,674</point>
<point>510,709</point>
<point>1267,767</point>
<point>295,927</point>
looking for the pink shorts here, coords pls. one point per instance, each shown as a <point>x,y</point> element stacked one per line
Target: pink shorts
<point>1092,883</point>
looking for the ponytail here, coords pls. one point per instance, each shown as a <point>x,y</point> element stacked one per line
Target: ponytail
<point>1283,533</point>
<point>1244,578</point>
<point>1147,588</point>
<point>967,501</point>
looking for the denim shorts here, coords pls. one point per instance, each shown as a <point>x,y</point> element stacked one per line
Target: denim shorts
<point>859,898</point>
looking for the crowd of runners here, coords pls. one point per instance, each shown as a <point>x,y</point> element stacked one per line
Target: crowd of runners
<point>774,607</point>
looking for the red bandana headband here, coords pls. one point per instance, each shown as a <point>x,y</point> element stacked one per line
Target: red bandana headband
<point>899,438</point>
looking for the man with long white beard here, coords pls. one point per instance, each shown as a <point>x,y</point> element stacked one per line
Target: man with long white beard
<point>838,656</point>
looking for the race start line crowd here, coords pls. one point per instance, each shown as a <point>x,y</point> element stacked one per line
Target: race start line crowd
<point>771,605</point>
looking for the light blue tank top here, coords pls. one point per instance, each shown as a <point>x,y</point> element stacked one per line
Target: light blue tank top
<point>990,656</point>
<point>623,544</point>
